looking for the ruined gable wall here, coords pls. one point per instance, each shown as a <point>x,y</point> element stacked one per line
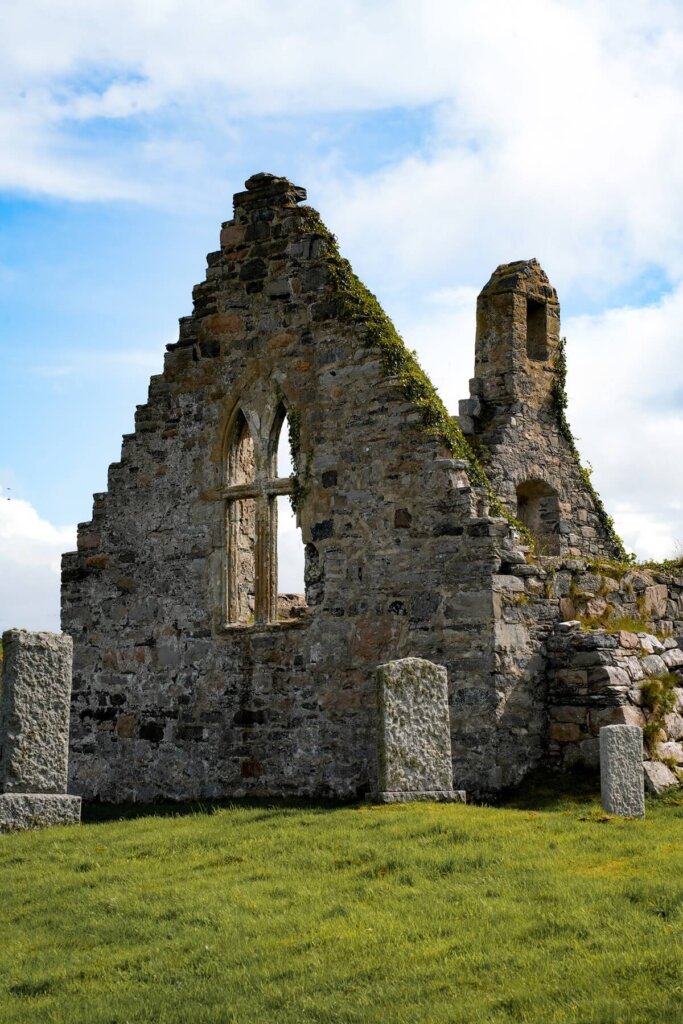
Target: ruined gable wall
<point>167,699</point>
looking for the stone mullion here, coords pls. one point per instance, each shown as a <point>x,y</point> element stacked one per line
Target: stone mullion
<point>264,493</point>
<point>262,612</point>
<point>234,495</point>
<point>232,604</point>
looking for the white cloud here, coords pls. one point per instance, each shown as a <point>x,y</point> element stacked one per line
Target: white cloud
<point>557,132</point>
<point>30,554</point>
<point>625,386</point>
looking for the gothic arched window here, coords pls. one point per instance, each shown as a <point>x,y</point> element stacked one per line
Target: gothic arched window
<point>253,487</point>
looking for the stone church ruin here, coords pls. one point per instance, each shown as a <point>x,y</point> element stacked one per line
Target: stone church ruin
<point>471,543</point>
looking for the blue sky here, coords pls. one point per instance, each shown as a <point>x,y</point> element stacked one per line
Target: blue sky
<point>437,140</point>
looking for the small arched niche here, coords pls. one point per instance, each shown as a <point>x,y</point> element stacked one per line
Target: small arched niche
<point>538,508</point>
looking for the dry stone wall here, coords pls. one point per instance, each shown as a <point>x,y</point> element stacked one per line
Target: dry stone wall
<point>599,679</point>
<point>596,632</point>
<point>175,695</point>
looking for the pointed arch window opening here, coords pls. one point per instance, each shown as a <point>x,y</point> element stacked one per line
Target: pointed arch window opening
<point>251,520</point>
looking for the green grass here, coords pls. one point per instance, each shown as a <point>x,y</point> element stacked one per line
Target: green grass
<point>348,914</point>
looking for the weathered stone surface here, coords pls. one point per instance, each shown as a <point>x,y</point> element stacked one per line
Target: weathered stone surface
<point>673,658</point>
<point>195,678</point>
<point>671,750</point>
<point>511,415</point>
<point>653,665</point>
<point>611,694</point>
<point>658,777</point>
<point>37,810</point>
<point>414,730</point>
<point>649,643</point>
<point>34,713</point>
<point>673,725</point>
<point>621,770</point>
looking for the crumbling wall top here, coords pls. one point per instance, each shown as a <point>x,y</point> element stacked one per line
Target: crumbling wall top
<point>525,276</point>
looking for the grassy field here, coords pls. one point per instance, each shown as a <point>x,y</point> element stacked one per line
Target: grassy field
<point>342,914</point>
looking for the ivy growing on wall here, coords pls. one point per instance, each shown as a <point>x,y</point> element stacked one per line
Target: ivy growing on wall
<point>560,401</point>
<point>360,306</point>
<point>300,465</point>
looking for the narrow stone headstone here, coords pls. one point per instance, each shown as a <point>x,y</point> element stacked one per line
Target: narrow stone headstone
<point>621,770</point>
<point>34,730</point>
<point>414,733</point>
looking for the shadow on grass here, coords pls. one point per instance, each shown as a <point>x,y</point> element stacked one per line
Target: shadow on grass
<point>543,790</point>
<point>96,811</point>
<point>540,791</point>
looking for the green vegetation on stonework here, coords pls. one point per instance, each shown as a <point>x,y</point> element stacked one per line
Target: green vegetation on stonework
<point>659,698</point>
<point>549,913</point>
<point>612,620</point>
<point>300,473</point>
<point>560,401</point>
<point>361,307</point>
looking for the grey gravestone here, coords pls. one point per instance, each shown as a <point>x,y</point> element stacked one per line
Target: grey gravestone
<point>621,770</point>
<point>414,733</point>
<point>34,730</point>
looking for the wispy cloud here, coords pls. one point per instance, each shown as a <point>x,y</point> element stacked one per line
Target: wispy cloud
<point>92,363</point>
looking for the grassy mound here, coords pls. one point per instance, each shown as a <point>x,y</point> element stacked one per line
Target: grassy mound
<point>355,914</point>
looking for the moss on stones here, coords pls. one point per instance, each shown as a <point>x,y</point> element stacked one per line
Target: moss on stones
<point>359,306</point>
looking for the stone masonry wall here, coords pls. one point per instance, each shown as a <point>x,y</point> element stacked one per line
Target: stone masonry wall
<point>596,679</point>
<point>171,696</point>
<point>511,416</point>
<point>595,632</point>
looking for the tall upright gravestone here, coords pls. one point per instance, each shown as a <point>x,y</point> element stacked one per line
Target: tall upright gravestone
<point>414,733</point>
<point>621,770</point>
<point>34,731</point>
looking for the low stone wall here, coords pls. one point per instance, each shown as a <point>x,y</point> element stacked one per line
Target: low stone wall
<point>597,679</point>
<point>603,594</point>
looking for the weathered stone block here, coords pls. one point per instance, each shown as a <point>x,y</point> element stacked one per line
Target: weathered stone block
<point>37,810</point>
<point>671,749</point>
<point>34,713</point>
<point>658,777</point>
<point>673,658</point>
<point>621,770</point>
<point>653,665</point>
<point>414,732</point>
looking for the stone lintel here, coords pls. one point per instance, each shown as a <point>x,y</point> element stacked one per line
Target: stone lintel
<point>21,811</point>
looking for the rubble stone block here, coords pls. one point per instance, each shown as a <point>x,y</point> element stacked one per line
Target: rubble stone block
<point>414,732</point>
<point>34,713</point>
<point>621,770</point>
<point>20,811</point>
<point>658,777</point>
